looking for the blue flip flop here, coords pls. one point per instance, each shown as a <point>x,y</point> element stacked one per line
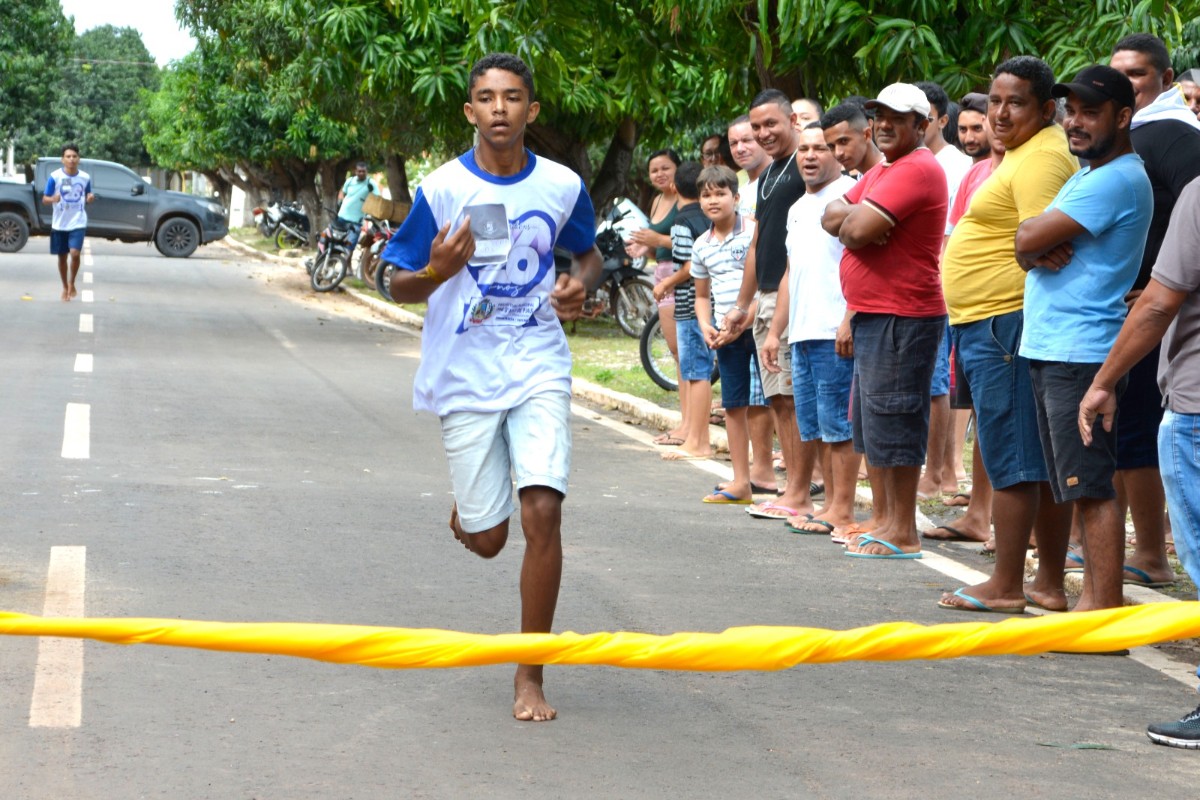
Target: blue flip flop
<point>1074,560</point>
<point>978,605</point>
<point>722,497</point>
<point>1138,577</point>
<point>866,538</point>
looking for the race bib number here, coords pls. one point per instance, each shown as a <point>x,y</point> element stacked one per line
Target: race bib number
<point>512,311</point>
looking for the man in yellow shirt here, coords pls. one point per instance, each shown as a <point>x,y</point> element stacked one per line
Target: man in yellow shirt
<point>985,295</point>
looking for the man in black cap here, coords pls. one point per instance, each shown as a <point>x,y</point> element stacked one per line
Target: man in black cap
<point>1081,256</point>
<point>1166,135</point>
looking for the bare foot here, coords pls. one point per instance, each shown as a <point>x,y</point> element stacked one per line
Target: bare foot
<point>66,297</point>
<point>529,703</point>
<point>683,454</point>
<point>71,292</point>
<point>454,526</point>
<point>1051,601</point>
<point>958,532</point>
<point>985,598</point>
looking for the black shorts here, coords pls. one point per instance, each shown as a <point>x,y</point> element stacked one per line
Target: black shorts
<point>1141,414</point>
<point>1075,471</point>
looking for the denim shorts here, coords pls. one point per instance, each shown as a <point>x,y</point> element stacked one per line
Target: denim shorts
<point>1075,470</point>
<point>893,368</point>
<point>940,384</point>
<point>1141,413</point>
<point>821,382</point>
<point>1002,391</point>
<point>737,361</point>
<point>1179,463</point>
<point>487,449</point>
<point>695,359</point>
<point>63,242</point>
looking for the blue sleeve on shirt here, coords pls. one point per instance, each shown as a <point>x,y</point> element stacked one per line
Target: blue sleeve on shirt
<point>50,187</point>
<point>409,247</point>
<point>1090,199</point>
<point>579,234</point>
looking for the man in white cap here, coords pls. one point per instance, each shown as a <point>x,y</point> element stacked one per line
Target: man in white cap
<point>892,224</point>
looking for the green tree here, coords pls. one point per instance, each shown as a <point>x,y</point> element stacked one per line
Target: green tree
<point>33,39</point>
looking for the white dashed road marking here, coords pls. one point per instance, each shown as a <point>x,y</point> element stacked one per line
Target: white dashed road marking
<point>87,295</point>
<point>85,323</point>
<point>77,431</point>
<point>87,276</point>
<point>58,681</point>
<point>83,362</point>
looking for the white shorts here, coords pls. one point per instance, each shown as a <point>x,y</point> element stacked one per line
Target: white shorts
<point>487,449</point>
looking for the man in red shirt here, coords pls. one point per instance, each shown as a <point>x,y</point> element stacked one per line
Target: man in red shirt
<point>892,223</point>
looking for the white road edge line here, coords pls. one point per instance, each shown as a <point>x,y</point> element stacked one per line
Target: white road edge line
<point>77,431</point>
<point>58,680</point>
<point>1147,656</point>
<point>86,324</point>
<point>83,362</point>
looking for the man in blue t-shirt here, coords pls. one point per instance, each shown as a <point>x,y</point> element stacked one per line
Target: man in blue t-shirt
<point>495,366</point>
<point>353,194</point>
<point>69,190</point>
<point>1082,255</point>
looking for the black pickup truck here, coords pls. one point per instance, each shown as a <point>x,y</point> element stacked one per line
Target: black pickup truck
<point>125,208</point>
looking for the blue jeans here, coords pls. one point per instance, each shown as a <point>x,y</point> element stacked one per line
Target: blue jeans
<point>1179,462</point>
<point>738,362</point>
<point>821,382</point>
<point>1002,391</point>
<point>355,228</point>
<point>695,359</point>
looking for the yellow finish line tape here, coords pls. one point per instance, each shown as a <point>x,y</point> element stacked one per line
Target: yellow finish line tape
<point>749,648</point>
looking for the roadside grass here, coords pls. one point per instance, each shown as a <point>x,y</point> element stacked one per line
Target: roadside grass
<point>602,353</point>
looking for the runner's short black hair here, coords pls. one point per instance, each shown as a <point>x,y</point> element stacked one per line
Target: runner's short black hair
<point>772,96</point>
<point>362,164</point>
<point>1034,70</point>
<point>936,96</point>
<point>507,62</point>
<point>685,179</point>
<point>845,111</point>
<point>70,146</point>
<point>1149,44</point>
<point>715,178</point>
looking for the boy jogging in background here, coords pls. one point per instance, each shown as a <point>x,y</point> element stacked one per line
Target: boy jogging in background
<point>69,190</point>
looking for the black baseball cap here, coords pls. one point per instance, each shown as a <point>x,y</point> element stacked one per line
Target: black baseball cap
<point>1097,84</point>
<point>974,101</point>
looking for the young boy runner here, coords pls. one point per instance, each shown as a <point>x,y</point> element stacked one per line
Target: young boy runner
<point>718,258</point>
<point>69,190</point>
<point>495,366</point>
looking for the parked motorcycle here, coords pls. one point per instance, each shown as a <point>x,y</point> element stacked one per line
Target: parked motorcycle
<point>374,231</point>
<point>328,268</point>
<point>294,227</point>
<point>624,291</point>
<point>267,219</point>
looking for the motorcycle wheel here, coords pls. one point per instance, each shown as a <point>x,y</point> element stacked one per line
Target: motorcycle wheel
<point>656,356</point>
<point>329,273</point>
<point>383,279</point>
<point>286,238</point>
<point>632,304</point>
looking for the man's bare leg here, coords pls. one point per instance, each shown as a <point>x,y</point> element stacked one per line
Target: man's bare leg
<point>762,431</point>
<point>695,397</point>
<point>1014,509</point>
<point>485,544</point>
<point>976,524</point>
<point>957,442</point>
<point>798,455</point>
<point>840,480</point>
<point>940,427</point>
<point>541,576</point>
<point>900,525</point>
<point>1051,529</point>
<point>1147,504</point>
<point>1103,554</point>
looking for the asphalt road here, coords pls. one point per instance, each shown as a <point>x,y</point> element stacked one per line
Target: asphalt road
<point>253,455</point>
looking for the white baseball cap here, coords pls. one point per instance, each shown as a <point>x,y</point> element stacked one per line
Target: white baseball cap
<point>902,97</point>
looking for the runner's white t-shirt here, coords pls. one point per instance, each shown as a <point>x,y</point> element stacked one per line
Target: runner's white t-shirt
<point>70,213</point>
<point>491,339</point>
<point>816,306</point>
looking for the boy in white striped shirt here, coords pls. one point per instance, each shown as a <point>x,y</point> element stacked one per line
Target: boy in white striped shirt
<point>718,259</point>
